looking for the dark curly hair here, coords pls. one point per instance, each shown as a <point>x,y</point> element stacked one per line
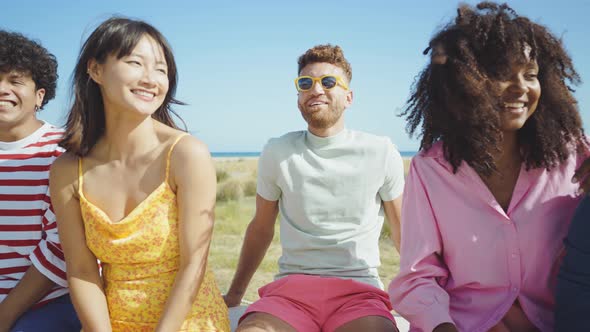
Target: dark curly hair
<point>116,36</point>
<point>456,102</point>
<point>19,53</point>
<point>325,53</point>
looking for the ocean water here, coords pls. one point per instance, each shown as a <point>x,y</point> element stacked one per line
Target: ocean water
<point>257,154</point>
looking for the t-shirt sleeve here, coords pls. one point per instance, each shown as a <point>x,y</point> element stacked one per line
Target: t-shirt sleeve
<point>393,186</point>
<point>267,186</point>
<point>48,257</point>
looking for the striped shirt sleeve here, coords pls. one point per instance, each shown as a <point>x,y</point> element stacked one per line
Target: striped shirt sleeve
<point>48,256</point>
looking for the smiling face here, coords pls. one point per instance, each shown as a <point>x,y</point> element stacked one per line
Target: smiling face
<point>519,95</point>
<point>137,82</point>
<point>321,108</point>
<point>19,99</point>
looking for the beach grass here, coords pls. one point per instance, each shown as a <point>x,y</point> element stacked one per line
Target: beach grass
<point>232,215</point>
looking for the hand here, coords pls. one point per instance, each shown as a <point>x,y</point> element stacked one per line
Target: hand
<point>232,300</point>
<point>582,176</point>
<point>445,327</point>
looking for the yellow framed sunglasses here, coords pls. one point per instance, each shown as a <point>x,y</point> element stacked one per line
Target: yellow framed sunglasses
<point>305,83</point>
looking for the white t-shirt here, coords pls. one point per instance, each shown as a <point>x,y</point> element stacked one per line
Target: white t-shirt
<point>330,191</point>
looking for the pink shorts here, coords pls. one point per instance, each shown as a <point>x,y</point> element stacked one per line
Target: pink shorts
<point>314,303</point>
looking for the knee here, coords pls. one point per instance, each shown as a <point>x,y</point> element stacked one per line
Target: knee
<point>262,322</point>
<point>249,328</point>
<point>251,325</point>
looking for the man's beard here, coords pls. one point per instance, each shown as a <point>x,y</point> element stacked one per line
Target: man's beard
<point>321,119</point>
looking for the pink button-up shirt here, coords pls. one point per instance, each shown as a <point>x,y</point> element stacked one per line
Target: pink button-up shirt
<point>465,260</point>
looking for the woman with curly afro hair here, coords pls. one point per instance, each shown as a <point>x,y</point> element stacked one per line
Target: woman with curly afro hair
<point>489,197</point>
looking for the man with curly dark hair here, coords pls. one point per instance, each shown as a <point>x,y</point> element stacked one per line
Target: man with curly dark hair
<point>489,197</point>
<point>33,287</point>
<point>331,186</point>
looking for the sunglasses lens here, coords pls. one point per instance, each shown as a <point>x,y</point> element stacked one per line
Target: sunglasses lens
<point>329,82</point>
<point>305,83</point>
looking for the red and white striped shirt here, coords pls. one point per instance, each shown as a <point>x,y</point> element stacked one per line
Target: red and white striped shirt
<point>28,231</point>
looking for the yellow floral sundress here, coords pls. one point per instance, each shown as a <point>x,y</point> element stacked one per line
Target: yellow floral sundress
<point>140,258</point>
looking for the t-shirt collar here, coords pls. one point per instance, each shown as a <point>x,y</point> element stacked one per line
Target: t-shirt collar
<point>21,143</point>
<point>320,142</point>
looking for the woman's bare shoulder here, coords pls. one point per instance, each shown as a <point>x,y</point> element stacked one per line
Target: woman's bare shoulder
<point>190,149</point>
<point>65,167</point>
<point>66,161</point>
<point>187,145</point>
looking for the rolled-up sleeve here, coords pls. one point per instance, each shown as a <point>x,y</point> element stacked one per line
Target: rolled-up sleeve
<point>415,292</point>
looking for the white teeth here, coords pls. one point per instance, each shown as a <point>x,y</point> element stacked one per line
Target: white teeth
<point>144,93</point>
<point>514,105</point>
<point>6,103</point>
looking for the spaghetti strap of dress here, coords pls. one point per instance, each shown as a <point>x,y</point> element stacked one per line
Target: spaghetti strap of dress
<point>80,177</point>
<point>170,154</point>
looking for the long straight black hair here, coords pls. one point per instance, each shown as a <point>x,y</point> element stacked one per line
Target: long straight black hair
<point>116,36</point>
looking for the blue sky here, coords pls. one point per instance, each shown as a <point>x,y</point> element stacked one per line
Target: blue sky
<point>237,59</point>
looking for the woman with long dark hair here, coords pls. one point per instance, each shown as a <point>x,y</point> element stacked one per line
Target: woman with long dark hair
<point>134,192</point>
<point>489,197</point>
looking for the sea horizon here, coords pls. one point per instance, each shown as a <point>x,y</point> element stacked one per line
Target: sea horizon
<point>249,154</point>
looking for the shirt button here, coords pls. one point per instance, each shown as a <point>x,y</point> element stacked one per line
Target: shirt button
<point>514,255</point>
<point>514,289</point>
